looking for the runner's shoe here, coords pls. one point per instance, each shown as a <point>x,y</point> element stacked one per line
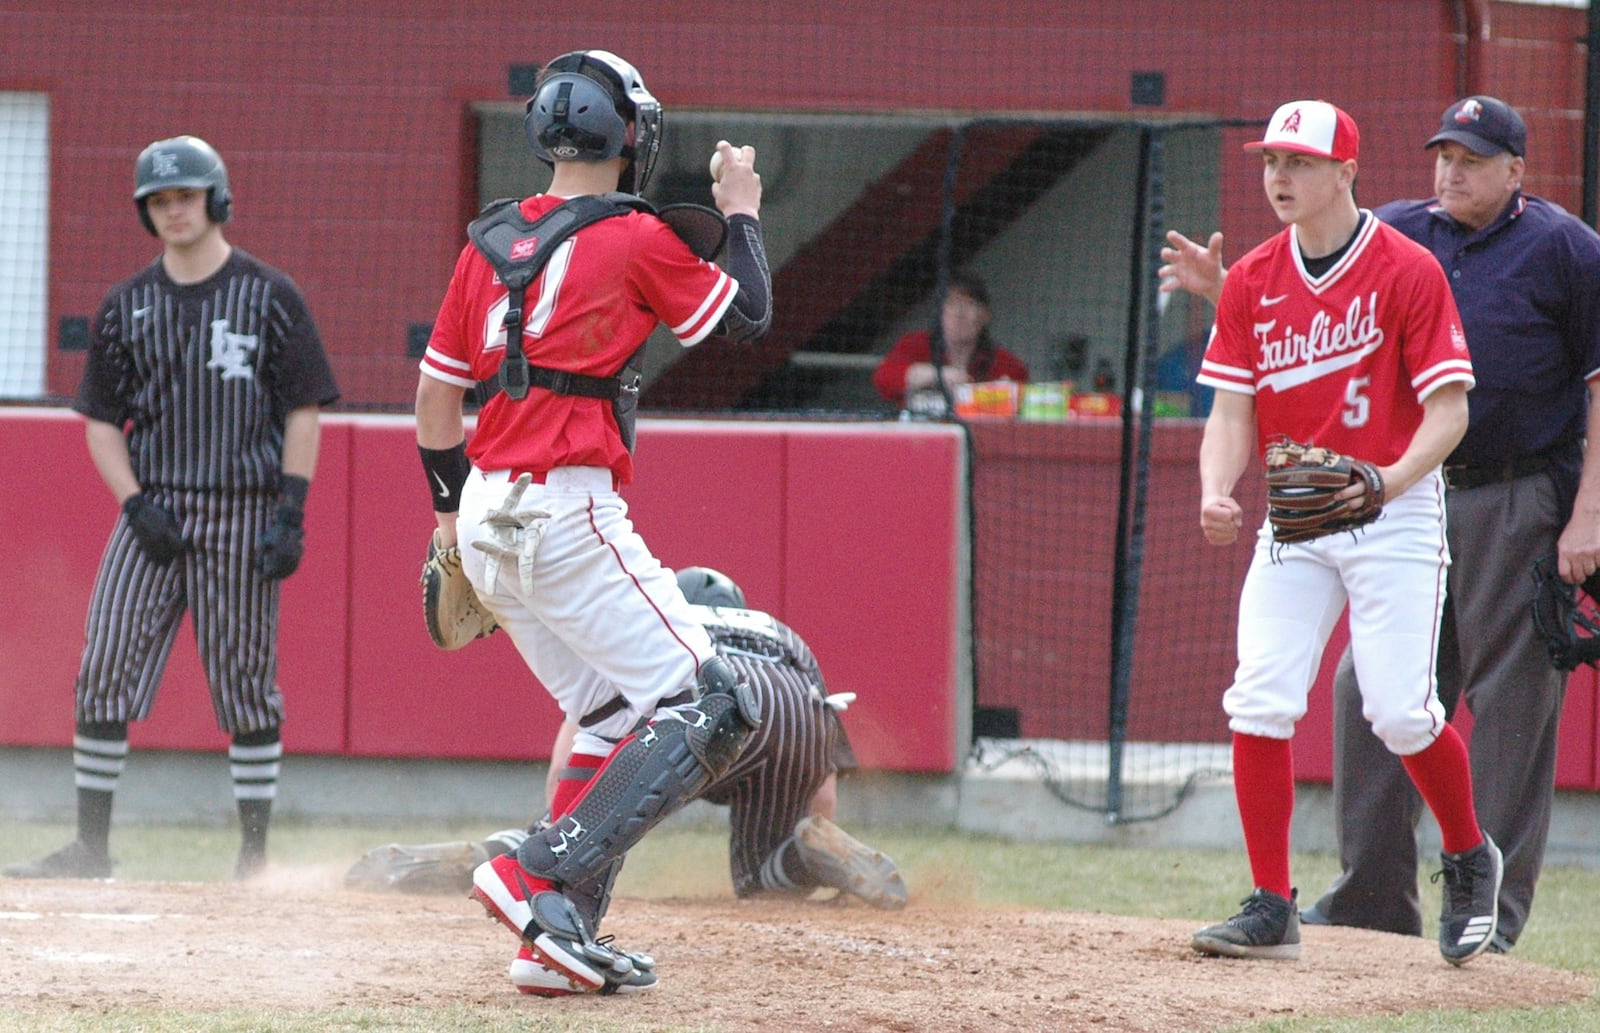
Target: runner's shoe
<point>837,859</point>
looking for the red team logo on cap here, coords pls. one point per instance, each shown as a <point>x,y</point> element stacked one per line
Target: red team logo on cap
<point>524,248</point>
<point>1292,123</point>
<point>1471,111</point>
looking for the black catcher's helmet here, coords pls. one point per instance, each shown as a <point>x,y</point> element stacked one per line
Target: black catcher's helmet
<point>582,109</point>
<point>182,162</point>
<point>703,586</point>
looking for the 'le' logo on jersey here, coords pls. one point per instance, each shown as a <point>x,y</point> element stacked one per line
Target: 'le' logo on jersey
<point>231,352</point>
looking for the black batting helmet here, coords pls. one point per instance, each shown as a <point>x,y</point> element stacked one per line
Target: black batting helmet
<point>581,112</point>
<point>182,162</point>
<point>703,586</point>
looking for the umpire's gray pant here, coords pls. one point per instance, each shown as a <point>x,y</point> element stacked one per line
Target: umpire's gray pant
<point>1489,652</point>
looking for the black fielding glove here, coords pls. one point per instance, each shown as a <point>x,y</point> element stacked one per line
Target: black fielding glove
<point>157,530</point>
<point>283,542</point>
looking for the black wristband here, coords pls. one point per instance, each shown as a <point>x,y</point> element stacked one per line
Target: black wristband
<point>292,490</point>
<point>447,470</point>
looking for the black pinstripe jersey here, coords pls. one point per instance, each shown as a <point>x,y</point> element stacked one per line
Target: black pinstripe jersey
<point>800,742</point>
<point>783,673</point>
<point>202,376</point>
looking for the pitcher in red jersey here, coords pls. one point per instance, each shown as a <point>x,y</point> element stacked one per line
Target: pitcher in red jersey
<point>1341,332</point>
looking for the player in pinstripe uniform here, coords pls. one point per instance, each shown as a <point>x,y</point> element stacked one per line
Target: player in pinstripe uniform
<point>202,392</point>
<point>780,792</point>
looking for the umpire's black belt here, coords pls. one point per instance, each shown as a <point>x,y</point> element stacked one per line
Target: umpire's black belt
<point>1472,475</point>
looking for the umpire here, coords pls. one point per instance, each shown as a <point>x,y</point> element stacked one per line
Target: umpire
<point>202,393</point>
<point>1520,488</point>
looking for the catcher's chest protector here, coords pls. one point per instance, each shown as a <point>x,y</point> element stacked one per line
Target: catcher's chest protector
<point>518,250</point>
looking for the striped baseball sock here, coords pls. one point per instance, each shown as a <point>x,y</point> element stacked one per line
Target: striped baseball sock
<point>783,869</point>
<point>99,754</point>
<point>254,759</point>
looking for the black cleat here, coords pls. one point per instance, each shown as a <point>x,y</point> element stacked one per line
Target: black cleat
<point>73,861</point>
<point>1470,917</point>
<point>843,862</point>
<point>1268,927</point>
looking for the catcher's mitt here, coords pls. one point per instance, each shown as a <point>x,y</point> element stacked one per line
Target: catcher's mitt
<point>1302,482</point>
<point>450,605</point>
<point>1566,618</point>
<point>430,868</point>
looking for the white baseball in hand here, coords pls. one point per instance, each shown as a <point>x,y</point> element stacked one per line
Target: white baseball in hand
<point>716,166</point>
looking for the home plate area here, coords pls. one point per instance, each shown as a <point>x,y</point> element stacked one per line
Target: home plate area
<point>298,941</point>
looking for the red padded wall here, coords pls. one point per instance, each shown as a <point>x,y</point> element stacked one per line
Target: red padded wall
<point>57,503</point>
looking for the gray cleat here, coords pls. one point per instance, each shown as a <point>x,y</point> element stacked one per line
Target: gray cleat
<point>839,860</point>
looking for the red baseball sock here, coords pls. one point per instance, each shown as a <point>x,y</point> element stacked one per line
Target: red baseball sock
<point>1263,783</point>
<point>571,789</point>
<point>1444,778</point>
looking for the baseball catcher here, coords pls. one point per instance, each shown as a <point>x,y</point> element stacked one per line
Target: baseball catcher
<point>1309,491</point>
<point>779,792</point>
<point>535,496</point>
<point>451,608</point>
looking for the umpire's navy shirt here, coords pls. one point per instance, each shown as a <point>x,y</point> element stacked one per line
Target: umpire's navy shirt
<point>1528,289</point>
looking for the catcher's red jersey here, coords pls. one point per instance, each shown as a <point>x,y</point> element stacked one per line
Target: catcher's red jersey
<point>1344,359</point>
<point>581,315</point>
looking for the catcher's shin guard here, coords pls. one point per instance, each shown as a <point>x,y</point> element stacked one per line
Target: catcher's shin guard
<point>651,774</point>
<point>593,898</point>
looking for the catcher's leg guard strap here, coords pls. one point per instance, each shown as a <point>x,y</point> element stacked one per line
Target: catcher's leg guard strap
<point>593,898</point>
<point>653,773</point>
<point>732,729</point>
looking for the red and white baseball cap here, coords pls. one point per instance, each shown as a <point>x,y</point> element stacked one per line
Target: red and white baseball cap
<point>1311,127</point>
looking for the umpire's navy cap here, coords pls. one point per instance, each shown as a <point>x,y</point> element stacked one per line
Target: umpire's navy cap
<point>1483,125</point>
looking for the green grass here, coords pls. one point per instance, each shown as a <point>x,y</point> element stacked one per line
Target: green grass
<point>1188,884</point>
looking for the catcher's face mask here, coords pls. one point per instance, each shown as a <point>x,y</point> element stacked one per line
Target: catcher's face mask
<point>1567,617</point>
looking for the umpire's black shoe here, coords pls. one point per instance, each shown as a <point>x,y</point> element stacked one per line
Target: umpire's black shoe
<point>1312,915</point>
<point>1471,913</point>
<point>73,861</point>
<point>1268,927</point>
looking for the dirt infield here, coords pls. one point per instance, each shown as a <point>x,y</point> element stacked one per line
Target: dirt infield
<point>299,941</point>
